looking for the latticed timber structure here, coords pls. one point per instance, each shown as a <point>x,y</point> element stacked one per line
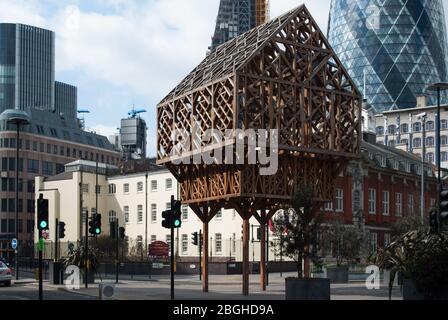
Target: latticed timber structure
<point>281,75</point>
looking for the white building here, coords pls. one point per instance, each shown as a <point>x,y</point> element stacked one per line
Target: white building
<point>403,129</point>
<point>137,201</point>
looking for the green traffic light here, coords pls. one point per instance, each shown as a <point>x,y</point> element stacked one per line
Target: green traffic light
<point>177,223</point>
<point>43,224</point>
<point>97,230</point>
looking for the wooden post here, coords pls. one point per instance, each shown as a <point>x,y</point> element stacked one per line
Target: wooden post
<point>263,251</point>
<point>246,256</point>
<point>306,264</point>
<point>205,257</point>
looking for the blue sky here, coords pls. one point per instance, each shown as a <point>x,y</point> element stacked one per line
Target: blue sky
<point>121,53</point>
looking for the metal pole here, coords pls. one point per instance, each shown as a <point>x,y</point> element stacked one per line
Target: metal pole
<point>281,255</point>
<point>86,248</point>
<point>41,289</point>
<point>172,251</point>
<point>200,254</point>
<point>17,203</point>
<point>422,200</point>
<point>117,230</point>
<point>439,170</point>
<point>267,253</point>
<point>146,215</point>
<point>56,241</point>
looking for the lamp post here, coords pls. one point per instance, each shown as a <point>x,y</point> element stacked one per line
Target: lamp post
<point>438,87</point>
<point>18,118</point>
<point>422,117</point>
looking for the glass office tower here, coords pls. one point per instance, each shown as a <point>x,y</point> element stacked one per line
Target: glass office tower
<point>26,67</point>
<point>392,49</point>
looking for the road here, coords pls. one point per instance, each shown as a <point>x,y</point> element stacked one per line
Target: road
<point>189,288</point>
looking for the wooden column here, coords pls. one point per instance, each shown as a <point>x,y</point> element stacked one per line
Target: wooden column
<point>246,256</point>
<point>263,251</point>
<point>205,257</point>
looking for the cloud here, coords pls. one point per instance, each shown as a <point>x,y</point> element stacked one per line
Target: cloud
<point>104,130</point>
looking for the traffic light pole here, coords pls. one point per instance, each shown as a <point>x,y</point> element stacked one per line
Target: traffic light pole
<point>41,295</point>
<point>439,171</point>
<point>56,241</point>
<point>86,248</point>
<point>116,253</point>
<point>172,253</point>
<point>200,254</point>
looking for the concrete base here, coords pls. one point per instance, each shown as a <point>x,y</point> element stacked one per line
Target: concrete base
<point>307,289</point>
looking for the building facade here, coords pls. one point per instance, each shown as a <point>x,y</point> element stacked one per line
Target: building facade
<point>66,100</point>
<point>392,49</point>
<point>404,129</point>
<point>238,16</point>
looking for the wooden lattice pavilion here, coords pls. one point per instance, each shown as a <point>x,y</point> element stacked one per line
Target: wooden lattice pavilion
<point>281,75</point>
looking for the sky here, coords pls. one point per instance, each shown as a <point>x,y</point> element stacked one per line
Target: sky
<point>125,53</point>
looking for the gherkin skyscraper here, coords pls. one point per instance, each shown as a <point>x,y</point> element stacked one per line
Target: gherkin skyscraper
<point>392,49</point>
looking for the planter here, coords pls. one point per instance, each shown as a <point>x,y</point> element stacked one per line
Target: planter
<point>307,289</point>
<point>409,291</point>
<point>56,272</point>
<point>337,274</point>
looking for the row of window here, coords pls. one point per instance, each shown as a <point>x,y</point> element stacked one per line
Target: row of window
<point>139,186</point>
<point>8,226</point>
<point>416,127</point>
<point>417,142</point>
<point>216,240</point>
<point>33,166</point>
<point>57,150</point>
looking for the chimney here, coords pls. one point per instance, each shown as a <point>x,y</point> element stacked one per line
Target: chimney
<point>421,101</point>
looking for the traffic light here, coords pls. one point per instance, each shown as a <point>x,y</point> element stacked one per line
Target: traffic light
<point>433,223</point>
<point>121,233</point>
<point>95,225</point>
<point>195,239</point>
<point>167,217</point>
<point>61,229</point>
<point>177,214</point>
<point>113,230</point>
<point>42,213</point>
<point>443,219</point>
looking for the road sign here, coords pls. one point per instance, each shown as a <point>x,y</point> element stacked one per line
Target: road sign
<point>14,244</point>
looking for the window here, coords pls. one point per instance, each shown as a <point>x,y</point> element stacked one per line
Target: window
<point>404,128</point>
<point>430,141</point>
<point>339,200</point>
<point>444,156</point>
<point>139,186</point>
<point>430,157</point>
<point>184,213</point>
<point>398,204</point>
<point>386,239</point>
<point>126,188</point>
<point>372,201</point>
<point>218,243</point>
<point>33,166</point>
<point>112,216</point>
<point>47,168</point>
<point>219,215</point>
<point>153,212</point>
<point>169,184</point>
<point>48,148</point>
<point>392,129</point>
<point>85,188</point>
<point>184,243</point>
<point>444,140</point>
<point>139,243</point>
<point>153,185</point>
<point>139,213</point>
<point>385,203</point>
<point>383,162</point>
<point>373,242</point>
<point>417,143</point>
<point>53,132</point>
<point>396,165</point>
<point>126,214</point>
<point>444,124</point>
<point>430,125</point>
<point>40,129</point>
<point>328,206</point>
<point>153,238</point>
<point>411,204</point>
<point>112,188</point>
<point>417,127</point>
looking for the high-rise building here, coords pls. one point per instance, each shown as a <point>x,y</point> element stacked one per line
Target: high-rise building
<point>53,137</point>
<point>392,49</point>
<point>238,16</point>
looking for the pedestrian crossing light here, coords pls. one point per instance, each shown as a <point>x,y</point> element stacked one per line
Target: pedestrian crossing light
<point>443,218</point>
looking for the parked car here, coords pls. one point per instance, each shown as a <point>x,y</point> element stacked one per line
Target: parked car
<point>5,274</point>
<point>4,261</point>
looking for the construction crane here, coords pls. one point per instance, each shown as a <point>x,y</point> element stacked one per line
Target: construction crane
<point>134,113</point>
<point>82,120</point>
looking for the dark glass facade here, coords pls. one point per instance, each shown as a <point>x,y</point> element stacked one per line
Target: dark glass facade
<point>234,18</point>
<point>393,49</point>
<point>66,100</point>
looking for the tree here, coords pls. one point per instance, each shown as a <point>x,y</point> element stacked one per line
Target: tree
<point>407,224</point>
<point>297,230</point>
<point>346,241</point>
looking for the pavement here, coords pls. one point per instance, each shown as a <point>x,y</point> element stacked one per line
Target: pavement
<point>221,287</point>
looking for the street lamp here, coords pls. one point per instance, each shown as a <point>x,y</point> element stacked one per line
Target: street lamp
<point>18,118</point>
<point>422,117</point>
<point>438,87</point>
